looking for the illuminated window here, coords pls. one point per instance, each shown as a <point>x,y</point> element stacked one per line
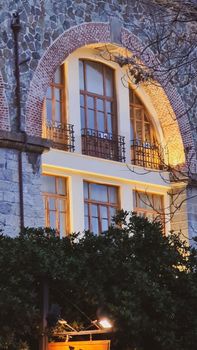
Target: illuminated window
<point>101,203</point>
<point>54,192</point>
<point>97,97</point>
<point>141,127</point>
<point>145,150</point>
<point>149,205</point>
<point>55,99</point>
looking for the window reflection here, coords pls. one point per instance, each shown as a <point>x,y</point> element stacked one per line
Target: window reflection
<point>101,203</point>
<point>149,205</point>
<point>55,203</point>
<point>97,97</point>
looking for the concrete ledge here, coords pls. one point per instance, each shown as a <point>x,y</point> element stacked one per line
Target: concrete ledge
<point>23,142</point>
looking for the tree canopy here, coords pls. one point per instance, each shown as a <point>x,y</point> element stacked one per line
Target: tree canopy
<point>145,280</point>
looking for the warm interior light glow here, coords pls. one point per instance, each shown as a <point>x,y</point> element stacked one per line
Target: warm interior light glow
<point>105,323</point>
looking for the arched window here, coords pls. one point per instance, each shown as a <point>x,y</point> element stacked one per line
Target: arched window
<point>98,112</point>
<point>97,97</point>
<point>142,129</point>
<point>55,126</point>
<point>145,148</point>
<point>55,98</point>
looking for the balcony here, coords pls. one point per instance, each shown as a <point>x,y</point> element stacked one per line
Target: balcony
<point>147,155</point>
<point>61,134</point>
<point>103,145</point>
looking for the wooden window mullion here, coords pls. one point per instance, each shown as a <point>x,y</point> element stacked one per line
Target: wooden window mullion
<point>99,218</point>
<point>95,113</point>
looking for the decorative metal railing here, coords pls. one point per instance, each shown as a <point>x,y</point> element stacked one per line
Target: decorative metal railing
<point>147,155</point>
<point>61,134</point>
<point>103,145</point>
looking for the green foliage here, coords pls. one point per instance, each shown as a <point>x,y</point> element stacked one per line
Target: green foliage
<point>147,282</point>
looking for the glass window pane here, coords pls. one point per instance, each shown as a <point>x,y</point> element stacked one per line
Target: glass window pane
<point>100,105</point>
<point>109,107</point>
<point>100,121</point>
<point>49,109</point>
<point>57,77</point>
<point>86,223</point>
<point>99,192</point>
<point>90,121</point>
<point>48,184</point>
<point>81,75</point>
<point>112,212</point>
<point>138,113</point>
<point>57,111</point>
<point>103,212</point>
<point>94,77</point>
<point>131,131</point>
<point>90,102</point>
<point>62,205</point>
<point>94,210</point>
<point>85,190</point>
<point>82,118</point>
<point>139,131</point>
<point>57,94</point>
<point>52,219</point>
<point>51,203</point>
<point>95,226</point>
<point>49,93</point>
<point>105,225</point>
<point>82,102</point>
<point>109,123</point>
<point>157,202</point>
<point>113,194</point>
<point>143,200</point>
<point>109,81</point>
<point>61,185</point>
<point>86,209</point>
<point>62,224</point>
<point>147,132</point>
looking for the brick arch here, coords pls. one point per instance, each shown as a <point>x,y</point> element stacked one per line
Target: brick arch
<point>68,42</point>
<point>4,115</point>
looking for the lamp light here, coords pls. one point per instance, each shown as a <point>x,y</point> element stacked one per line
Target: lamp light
<point>105,323</point>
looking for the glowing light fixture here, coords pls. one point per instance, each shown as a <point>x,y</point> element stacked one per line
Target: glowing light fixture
<point>105,323</point>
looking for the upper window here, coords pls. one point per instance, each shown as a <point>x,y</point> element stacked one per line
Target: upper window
<point>55,203</point>
<point>142,129</point>
<point>55,127</point>
<point>145,150</point>
<point>55,98</point>
<point>97,97</point>
<point>101,203</point>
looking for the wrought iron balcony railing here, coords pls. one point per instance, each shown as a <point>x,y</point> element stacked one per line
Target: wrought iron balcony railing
<point>61,134</point>
<point>147,155</point>
<point>103,145</point>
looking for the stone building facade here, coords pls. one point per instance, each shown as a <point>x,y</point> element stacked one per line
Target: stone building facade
<point>55,33</point>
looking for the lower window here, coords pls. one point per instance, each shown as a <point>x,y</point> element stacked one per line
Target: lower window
<point>149,205</point>
<point>101,203</point>
<point>54,191</point>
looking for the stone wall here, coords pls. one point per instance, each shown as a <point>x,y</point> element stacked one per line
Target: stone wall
<point>9,193</point>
